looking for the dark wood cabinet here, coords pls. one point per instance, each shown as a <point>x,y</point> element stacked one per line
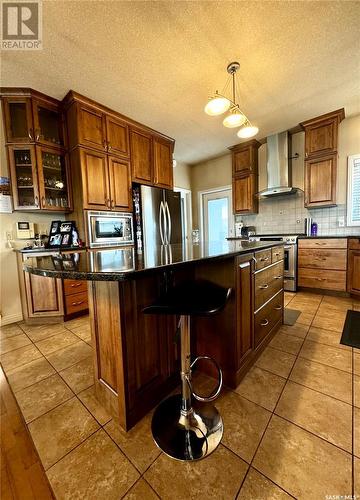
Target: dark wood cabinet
<point>18,119</point>
<point>120,184</point>
<point>321,144</point>
<point>320,181</point>
<point>90,127</point>
<point>141,156</point>
<point>49,127</point>
<point>245,177</point>
<point>117,136</point>
<point>24,179</point>
<point>244,308</point>
<point>353,278</point>
<point>163,167</point>
<point>95,180</point>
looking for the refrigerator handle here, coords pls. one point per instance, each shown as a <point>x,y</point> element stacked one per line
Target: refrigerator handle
<point>161,219</point>
<point>169,223</point>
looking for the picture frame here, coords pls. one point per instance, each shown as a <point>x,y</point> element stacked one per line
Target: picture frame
<point>63,234</point>
<point>54,228</point>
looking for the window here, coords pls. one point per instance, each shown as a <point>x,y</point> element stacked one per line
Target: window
<point>353,196</point>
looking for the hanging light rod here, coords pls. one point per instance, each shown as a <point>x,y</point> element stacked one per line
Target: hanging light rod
<point>219,103</point>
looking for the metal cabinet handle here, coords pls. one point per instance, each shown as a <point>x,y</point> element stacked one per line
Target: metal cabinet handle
<point>278,308</point>
<point>112,204</point>
<point>264,322</point>
<point>278,277</point>
<point>263,287</point>
<point>109,148</point>
<point>43,200</point>
<point>75,285</point>
<point>104,145</point>
<point>36,201</point>
<point>30,133</point>
<point>37,134</point>
<point>319,279</point>
<point>319,243</point>
<point>77,303</point>
<point>264,259</point>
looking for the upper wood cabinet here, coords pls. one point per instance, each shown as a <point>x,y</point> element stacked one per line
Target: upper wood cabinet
<point>49,125</point>
<point>353,278</point>
<point>141,156</point>
<point>245,177</point>
<point>90,127</point>
<point>321,143</point>
<point>18,119</point>
<point>320,181</point>
<point>163,168</point>
<point>117,136</point>
<point>120,183</point>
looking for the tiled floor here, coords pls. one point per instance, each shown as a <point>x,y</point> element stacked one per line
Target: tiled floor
<point>292,427</point>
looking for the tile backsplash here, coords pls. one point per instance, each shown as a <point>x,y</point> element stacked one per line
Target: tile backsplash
<point>286,214</point>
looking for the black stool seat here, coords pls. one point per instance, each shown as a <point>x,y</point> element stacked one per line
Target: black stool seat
<point>192,298</point>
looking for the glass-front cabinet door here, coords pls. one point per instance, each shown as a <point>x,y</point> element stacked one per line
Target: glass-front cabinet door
<point>48,123</point>
<point>53,179</point>
<point>18,119</point>
<point>24,180</point>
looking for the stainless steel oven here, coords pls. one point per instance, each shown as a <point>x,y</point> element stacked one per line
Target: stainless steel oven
<point>107,229</point>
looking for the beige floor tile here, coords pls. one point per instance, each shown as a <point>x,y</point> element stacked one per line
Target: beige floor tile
<point>339,303</point>
<point>88,398</point>
<point>81,322</point>
<point>83,334</point>
<point>286,343</point>
<point>357,432</point>
<point>60,430</point>
<point>244,424</point>
<point>357,477</point>
<point>288,296</point>
<point>23,355</point>
<point>29,374</point>
<point>323,415</point>
<point>261,387</point>
<point>302,464</point>
<point>304,319</point>
<point>56,342</point>
<point>42,397</point>
<point>323,378</point>
<point>141,491</point>
<point>137,444</point>
<point>357,363</point>
<point>330,312</point>
<point>303,306</point>
<point>40,332</point>
<point>12,343</point>
<point>310,297</point>
<point>276,361</point>
<point>8,331</point>
<point>328,337</point>
<point>79,376</point>
<point>328,355</point>
<point>335,323</point>
<point>70,355</point>
<point>219,476</point>
<point>357,391</point>
<point>297,330</point>
<point>258,487</point>
<point>95,470</point>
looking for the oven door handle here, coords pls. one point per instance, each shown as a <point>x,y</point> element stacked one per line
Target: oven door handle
<point>288,247</point>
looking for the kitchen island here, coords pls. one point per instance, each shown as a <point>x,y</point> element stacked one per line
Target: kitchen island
<point>136,358</point>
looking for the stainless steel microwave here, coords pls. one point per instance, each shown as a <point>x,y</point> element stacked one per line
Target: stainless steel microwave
<point>107,229</point>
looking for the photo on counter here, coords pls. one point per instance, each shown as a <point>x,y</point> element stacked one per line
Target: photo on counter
<point>54,228</point>
<point>65,227</point>
<point>65,240</point>
<point>55,240</point>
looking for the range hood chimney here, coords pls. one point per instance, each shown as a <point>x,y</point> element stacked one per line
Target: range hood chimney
<point>278,166</point>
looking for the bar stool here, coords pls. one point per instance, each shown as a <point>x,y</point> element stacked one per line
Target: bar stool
<point>182,429</point>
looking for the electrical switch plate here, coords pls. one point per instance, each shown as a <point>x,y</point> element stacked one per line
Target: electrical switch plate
<point>341,221</point>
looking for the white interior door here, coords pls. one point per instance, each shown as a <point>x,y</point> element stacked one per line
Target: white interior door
<point>217,216</point>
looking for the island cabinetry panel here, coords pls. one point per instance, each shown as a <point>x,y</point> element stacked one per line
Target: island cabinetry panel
<point>321,152</point>
<point>244,308</point>
<point>268,282</point>
<point>323,263</point>
<point>268,317</point>
<point>354,266</point>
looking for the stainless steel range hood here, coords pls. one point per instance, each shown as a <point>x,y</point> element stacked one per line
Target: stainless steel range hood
<point>278,166</point>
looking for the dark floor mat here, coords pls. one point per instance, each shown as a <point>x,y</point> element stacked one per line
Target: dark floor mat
<point>290,316</point>
<point>351,332</point>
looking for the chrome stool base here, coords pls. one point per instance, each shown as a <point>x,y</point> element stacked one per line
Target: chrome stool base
<point>190,436</point>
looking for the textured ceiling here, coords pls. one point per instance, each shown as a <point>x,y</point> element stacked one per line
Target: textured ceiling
<point>158,61</point>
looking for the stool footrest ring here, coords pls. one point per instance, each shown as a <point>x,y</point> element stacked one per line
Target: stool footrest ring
<point>216,391</point>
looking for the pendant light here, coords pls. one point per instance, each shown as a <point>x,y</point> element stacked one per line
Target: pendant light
<point>219,104</point>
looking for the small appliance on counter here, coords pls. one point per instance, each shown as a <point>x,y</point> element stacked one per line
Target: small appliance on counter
<point>25,230</point>
<point>247,231</point>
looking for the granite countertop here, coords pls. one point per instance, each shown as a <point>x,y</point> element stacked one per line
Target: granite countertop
<point>124,263</point>
<point>303,236</point>
<point>44,250</point>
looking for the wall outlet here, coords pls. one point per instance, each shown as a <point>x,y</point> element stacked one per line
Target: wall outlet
<point>341,221</point>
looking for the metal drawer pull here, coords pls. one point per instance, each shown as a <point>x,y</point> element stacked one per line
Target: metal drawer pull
<point>277,254</point>
<point>263,287</point>
<point>265,322</point>
<point>278,308</point>
<point>278,277</point>
<point>77,303</point>
<point>264,259</point>
<point>318,243</point>
<point>75,285</point>
<point>320,279</point>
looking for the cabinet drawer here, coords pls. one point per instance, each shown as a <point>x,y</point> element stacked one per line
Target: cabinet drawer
<point>323,243</point>
<point>323,258</point>
<point>354,244</point>
<point>262,259</point>
<point>76,302</point>
<point>74,286</point>
<point>267,283</point>
<point>267,317</point>
<point>324,279</point>
<point>277,253</point>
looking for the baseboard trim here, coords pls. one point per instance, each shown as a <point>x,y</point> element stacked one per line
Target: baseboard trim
<point>11,318</point>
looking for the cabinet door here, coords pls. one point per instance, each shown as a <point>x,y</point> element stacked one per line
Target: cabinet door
<point>48,123</point>
<point>244,189</point>
<point>18,119</point>
<point>54,179</point>
<point>242,160</point>
<point>24,180</point>
<point>117,133</point>
<point>91,127</point>
<point>95,180</point>
<point>244,308</point>
<point>320,182</point>
<point>141,156</point>
<point>120,184</point>
<point>354,272</point>
<point>321,138</point>
<point>163,169</point>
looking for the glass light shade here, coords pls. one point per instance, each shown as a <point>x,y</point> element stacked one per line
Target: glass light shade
<point>234,119</point>
<point>217,105</point>
<point>248,131</point>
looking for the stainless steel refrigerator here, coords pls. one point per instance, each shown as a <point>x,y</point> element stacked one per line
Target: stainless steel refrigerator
<point>157,217</point>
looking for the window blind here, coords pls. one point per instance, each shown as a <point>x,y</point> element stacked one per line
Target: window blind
<point>354,190</point>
